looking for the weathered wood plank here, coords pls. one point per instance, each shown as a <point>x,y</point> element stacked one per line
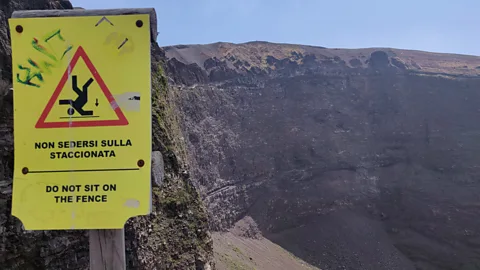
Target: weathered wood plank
<point>91,12</point>
<point>107,249</point>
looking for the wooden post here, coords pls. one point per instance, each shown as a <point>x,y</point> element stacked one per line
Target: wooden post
<point>107,250</point>
<point>107,247</point>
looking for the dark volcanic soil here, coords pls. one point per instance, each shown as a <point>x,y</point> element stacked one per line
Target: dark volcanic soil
<point>350,159</point>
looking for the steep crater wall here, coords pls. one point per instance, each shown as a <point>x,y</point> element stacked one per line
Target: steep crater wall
<point>363,159</point>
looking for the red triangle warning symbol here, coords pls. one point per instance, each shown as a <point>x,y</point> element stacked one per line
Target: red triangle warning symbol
<point>121,121</point>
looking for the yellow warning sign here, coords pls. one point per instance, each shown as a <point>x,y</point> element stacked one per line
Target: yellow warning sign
<point>82,121</point>
<point>76,97</point>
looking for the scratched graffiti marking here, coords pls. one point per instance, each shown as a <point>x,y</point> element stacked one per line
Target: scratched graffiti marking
<point>34,70</point>
<point>102,20</point>
<point>30,75</point>
<point>51,53</point>
<point>122,43</point>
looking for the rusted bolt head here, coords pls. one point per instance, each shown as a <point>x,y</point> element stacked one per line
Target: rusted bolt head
<point>140,163</point>
<point>19,29</point>
<point>139,23</point>
<point>25,170</point>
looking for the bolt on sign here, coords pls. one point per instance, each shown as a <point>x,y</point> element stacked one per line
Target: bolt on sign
<point>82,121</point>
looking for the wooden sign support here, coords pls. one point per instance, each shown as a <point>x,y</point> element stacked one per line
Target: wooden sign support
<point>107,246</point>
<point>107,249</point>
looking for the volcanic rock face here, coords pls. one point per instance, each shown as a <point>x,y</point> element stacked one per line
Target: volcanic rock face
<point>350,159</point>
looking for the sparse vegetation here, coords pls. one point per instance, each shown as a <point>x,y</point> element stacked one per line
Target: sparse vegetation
<point>234,264</point>
<point>238,251</point>
<point>178,230</point>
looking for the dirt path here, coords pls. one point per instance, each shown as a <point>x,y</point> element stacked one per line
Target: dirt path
<point>234,252</point>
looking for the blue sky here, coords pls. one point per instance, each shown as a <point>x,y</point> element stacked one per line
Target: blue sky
<point>431,25</point>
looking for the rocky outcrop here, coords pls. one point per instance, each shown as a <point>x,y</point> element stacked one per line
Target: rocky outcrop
<point>350,159</point>
<point>174,236</point>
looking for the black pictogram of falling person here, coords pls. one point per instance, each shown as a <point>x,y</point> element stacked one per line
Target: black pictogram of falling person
<point>80,101</point>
